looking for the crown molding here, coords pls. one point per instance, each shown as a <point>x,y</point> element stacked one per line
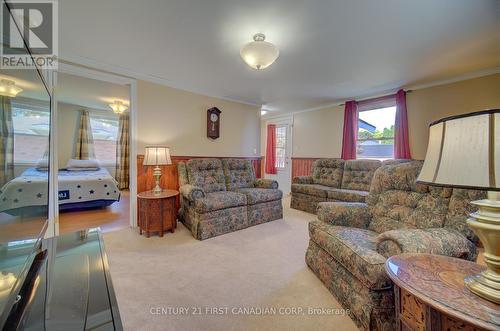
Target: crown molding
<point>455,79</point>
<point>108,68</point>
<point>132,74</point>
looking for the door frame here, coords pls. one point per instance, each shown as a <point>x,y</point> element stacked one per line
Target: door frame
<point>77,70</point>
<point>279,120</point>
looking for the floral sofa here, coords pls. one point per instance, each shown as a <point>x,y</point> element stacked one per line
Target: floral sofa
<point>350,242</point>
<point>221,196</point>
<point>333,180</point>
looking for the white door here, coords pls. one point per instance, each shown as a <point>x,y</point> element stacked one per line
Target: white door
<point>283,154</point>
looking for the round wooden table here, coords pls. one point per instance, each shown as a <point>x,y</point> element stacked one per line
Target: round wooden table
<point>157,212</point>
<point>430,294</point>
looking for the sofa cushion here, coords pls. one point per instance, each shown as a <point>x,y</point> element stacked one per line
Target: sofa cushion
<point>347,195</point>
<point>206,174</point>
<point>355,249</point>
<point>239,173</point>
<point>259,195</point>
<point>220,200</point>
<point>328,172</point>
<point>398,202</point>
<point>358,174</point>
<point>316,190</point>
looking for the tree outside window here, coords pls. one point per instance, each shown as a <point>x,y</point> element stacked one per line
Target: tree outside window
<point>376,133</point>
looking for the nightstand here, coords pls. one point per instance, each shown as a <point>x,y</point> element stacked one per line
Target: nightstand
<point>157,212</point>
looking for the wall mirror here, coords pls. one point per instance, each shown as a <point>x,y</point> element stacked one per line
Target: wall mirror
<point>24,174</point>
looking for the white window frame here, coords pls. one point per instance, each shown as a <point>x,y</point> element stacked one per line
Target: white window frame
<point>31,105</point>
<point>281,147</point>
<point>96,115</point>
<point>357,134</point>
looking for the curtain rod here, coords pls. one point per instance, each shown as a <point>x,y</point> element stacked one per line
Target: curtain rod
<point>343,104</point>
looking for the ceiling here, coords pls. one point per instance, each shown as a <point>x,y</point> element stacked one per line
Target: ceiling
<point>330,50</point>
<point>90,93</point>
<point>75,90</point>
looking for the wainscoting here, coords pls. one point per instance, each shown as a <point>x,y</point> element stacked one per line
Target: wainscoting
<point>302,166</point>
<point>169,178</point>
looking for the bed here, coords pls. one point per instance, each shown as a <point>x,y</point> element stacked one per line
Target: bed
<point>77,189</point>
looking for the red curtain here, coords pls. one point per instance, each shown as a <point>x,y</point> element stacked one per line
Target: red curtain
<point>271,150</point>
<point>350,136</point>
<point>401,141</point>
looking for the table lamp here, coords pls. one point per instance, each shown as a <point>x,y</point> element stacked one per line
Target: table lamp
<point>157,156</point>
<point>464,152</point>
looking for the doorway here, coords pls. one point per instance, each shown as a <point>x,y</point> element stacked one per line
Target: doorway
<point>108,129</point>
<point>283,153</point>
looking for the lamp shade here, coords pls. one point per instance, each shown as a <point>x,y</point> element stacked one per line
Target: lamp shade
<point>259,54</point>
<point>464,152</point>
<point>157,155</point>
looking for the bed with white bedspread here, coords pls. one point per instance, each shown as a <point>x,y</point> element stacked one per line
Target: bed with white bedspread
<point>77,189</point>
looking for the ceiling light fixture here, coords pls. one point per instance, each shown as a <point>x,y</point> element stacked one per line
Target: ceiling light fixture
<point>8,88</point>
<point>259,54</point>
<point>118,107</point>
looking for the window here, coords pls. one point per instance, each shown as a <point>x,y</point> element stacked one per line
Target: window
<point>31,132</point>
<point>105,134</point>
<point>376,133</point>
<point>280,147</point>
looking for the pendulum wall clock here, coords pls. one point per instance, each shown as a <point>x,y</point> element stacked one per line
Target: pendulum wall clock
<point>213,122</point>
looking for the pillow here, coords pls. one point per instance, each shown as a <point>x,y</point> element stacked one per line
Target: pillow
<point>81,169</point>
<point>42,164</point>
<point>92,163</point>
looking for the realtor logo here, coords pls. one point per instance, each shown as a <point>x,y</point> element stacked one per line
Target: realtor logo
<point>32,24</point>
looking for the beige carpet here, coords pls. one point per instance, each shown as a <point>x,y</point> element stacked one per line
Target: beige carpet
<point>255,279</point>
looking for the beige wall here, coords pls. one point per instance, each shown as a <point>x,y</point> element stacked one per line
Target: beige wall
<point>176,118</point>
<point>319,133</point>
<point>430,104</point>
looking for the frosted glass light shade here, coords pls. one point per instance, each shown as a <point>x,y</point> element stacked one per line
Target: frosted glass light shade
<point>259,54</point>
<point>464,151</point>
<point>8,88</point>
<point>157,155</point>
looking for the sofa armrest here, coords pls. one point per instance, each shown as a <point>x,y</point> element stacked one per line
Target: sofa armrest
<point>191,192</point>
<point>440,241</point>
<point>352,214</point>
<point>266,183</point>
<point>302,180</point>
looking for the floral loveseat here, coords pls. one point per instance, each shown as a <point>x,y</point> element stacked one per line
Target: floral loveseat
<point>333,180</point>
<point>349,243</point>
<point>221,196</point>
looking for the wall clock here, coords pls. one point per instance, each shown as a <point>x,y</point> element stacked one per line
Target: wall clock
<point>213,122</point>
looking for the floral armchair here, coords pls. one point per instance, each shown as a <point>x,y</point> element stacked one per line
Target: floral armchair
<point>350,242</point>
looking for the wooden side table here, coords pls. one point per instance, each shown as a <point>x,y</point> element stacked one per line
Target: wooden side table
<point>430,294</point>
<point>156,212</point>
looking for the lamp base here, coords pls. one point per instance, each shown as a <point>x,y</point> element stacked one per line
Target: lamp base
<point>486,224</point>
<point>157,174</point>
